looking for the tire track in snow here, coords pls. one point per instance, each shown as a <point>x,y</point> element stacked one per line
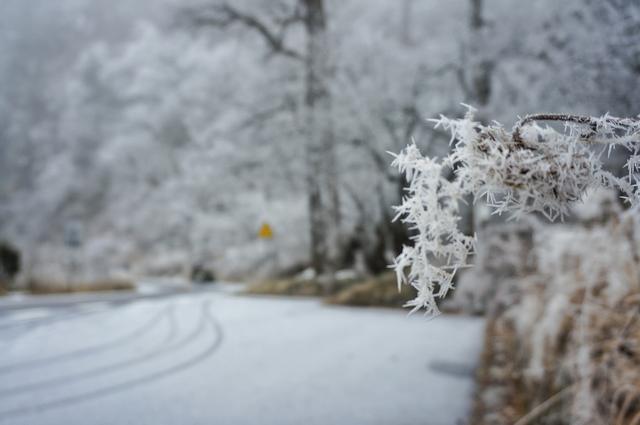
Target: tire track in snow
<point>218,337</point>
<point>6,393</point>
<point>32,325</point>
<point>85,351</point>
<point>43,321</point>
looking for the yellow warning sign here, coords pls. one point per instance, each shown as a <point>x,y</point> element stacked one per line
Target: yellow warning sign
<point>266,232</point>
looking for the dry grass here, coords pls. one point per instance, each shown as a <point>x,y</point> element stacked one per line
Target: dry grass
<point>501,396</point>
<point>307,288</point>
<point>40,287</point>
<point>379,291</point>
<point>297,287</point>
<point>616,360</point>
<point>507,394</point>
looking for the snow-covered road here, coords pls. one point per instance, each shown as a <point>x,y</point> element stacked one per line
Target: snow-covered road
<point>217,358</point>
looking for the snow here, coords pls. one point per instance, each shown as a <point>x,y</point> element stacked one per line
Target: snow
<point>222,358</point>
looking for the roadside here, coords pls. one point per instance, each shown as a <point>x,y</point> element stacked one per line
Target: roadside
<point>144,290</point>
<point>349,289</point>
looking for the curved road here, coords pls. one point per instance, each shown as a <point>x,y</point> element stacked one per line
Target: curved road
<point>217,358</point>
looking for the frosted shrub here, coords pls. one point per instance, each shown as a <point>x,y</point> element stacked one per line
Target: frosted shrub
<point>530,169</point>
<point>567,324</point>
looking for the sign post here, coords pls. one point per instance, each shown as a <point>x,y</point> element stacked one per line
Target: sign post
<point>73,241</point>
<point>266,234</point>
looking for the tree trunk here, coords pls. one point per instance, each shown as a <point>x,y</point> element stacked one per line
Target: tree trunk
<point>324,208</point>
<point>480,85</point>
<point>482,68</point>
<point>405,25</point>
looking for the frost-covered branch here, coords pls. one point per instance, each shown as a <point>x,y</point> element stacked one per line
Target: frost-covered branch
<point>532,169</point>
<point>610,129</point>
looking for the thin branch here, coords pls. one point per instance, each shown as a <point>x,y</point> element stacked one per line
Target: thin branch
<point>296,17</point>
<point>353,193</point>
<point>224,15</point>
<point>579,119</point>
<point>378,159</point>
<point>389,126</point>
<point>593,123</point>
<point>261,116</point>
<point>460,74</point>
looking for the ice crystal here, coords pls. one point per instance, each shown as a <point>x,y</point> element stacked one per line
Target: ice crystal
<point>530,169</point>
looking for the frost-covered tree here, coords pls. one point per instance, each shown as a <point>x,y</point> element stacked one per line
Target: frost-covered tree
<point>385,83</point>
<point>41,43</point>
<point>105,124</point>
<point>531,169</point>
<point>274,26</point>
<point>167,147</point>
<point>381,82</point>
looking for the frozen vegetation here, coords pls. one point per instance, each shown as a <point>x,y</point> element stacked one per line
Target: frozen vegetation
<point>246,139</point>
<point>531,169</point>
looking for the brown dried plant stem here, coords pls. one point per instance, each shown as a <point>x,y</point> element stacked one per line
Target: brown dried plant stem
<point>578,119</point>
<point>569,118</point>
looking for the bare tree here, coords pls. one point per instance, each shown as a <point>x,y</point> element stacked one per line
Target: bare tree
<point>483,69</point>
<point>476,84</point>
<point>324,208</point>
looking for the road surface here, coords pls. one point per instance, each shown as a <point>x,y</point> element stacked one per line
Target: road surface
<point>218,358</point>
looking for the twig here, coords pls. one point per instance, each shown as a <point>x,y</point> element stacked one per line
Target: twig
<point>529,119</point>
<point>593,123</point>
<point>579,119</point>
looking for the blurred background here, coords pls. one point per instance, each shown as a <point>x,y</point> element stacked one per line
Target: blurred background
<point>149,144</point>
